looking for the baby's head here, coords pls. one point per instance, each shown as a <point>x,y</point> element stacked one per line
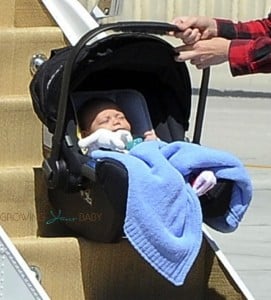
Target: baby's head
<point>101,113</point>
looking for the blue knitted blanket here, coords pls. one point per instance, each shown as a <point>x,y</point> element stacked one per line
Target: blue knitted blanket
<point>163,217</point>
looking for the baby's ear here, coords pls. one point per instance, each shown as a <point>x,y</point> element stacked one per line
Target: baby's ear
<point>84,133</point>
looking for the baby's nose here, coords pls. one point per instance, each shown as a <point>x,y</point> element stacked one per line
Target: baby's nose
<point>116,121</point>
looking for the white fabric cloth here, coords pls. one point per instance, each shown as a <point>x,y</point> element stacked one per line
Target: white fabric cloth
<point>106,139</point>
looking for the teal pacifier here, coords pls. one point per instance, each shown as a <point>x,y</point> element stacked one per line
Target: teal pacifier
<point>133,143</point>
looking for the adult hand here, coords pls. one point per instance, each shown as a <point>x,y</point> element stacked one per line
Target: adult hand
<point>205,53</point>
<point>204,182</point>
<point>193,29</point>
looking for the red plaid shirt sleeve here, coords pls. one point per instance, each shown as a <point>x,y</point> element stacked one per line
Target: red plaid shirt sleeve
<point>250,49</point>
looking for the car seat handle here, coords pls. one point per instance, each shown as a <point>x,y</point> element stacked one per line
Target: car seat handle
<point>160,28</point>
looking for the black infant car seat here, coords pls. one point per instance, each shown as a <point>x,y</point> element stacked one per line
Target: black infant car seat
<point>137,70</point>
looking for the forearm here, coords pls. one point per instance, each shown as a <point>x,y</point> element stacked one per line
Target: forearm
<point>226,29</point>
<point>250,56</point>
<point>243,30</point>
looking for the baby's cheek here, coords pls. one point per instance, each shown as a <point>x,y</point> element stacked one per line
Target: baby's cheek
<point>128,126</point>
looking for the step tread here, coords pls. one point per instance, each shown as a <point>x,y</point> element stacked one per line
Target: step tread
<point>17,201</point>
<point>32,13</point>
<point>24,13</point>
<point>22,30</point>
<point>17,46</point>
<point>21,141</point>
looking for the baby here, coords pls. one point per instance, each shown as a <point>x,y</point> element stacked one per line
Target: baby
<point>103,125</point>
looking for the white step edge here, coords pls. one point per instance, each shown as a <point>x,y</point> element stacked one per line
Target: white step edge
<point>17,280</point>
<point>223,259</point>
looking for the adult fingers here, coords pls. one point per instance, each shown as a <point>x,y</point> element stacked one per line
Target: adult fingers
<point>201,64</point>
<point>191,36</point>
<point>184,22</point>
<point>186,52</point>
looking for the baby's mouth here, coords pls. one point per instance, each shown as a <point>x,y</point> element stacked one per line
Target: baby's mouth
<point>121,128</point>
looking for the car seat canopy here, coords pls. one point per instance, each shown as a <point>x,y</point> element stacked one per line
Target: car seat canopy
<point>128,61</point>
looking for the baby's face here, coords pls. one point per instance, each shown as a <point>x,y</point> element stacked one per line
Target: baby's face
<point>111,119</point>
